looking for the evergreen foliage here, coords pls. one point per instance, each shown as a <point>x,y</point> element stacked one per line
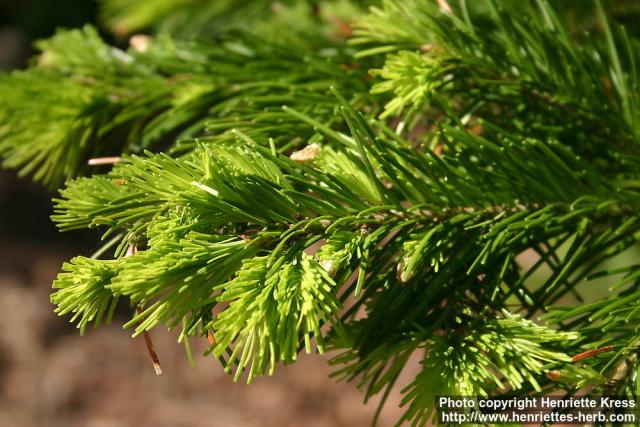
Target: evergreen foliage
<point>451,180</point>
<point>201,18</point>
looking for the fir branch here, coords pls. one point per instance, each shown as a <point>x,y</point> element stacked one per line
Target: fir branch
<point>500,178</point>
<point>112,101</point>
<point>506,352</point>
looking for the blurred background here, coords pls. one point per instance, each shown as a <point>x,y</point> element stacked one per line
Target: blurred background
<point>50,376</point>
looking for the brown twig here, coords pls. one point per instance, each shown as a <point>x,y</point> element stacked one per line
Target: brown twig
<point>554,375</point>
<point>557,375</point>
<point>104,161</point>
<point>150,349</point>
<point>211,338</point>
<point>591,353</point>
<point>132,250</point>
<point>444,6</point>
